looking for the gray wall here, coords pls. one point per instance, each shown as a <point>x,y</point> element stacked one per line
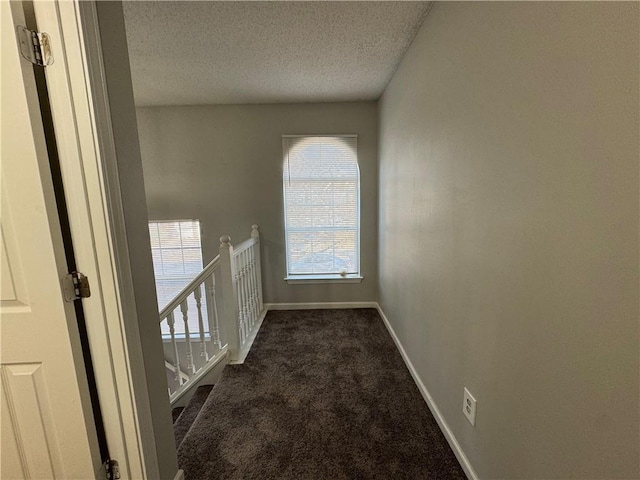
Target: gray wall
<point>509,230</point>
<point>152,400</point>
<point>222,165</point>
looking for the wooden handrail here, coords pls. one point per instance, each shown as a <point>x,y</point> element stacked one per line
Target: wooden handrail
<point>191,286</point>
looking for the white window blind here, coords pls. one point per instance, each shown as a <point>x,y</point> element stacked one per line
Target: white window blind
<point>177,258</point>
<point>321,183</point>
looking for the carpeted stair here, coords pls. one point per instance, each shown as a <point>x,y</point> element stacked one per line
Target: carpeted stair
<point>187,415</point>
<point>175,413</point>
<point>323,394</point>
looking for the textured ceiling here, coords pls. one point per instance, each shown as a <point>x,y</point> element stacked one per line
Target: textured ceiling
<point>192,53</point>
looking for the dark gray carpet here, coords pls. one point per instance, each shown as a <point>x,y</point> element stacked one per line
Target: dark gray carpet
<point>175,413</point>
<point>188,415</point>
<point>324,394</point>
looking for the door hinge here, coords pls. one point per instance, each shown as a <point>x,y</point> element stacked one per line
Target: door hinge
<point>35,46</point>
<point>75,285</point>
<point>112,469</point>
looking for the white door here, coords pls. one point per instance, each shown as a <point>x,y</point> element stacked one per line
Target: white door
<point>47,427</point>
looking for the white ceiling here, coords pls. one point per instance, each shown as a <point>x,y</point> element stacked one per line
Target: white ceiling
<point>195,53</point>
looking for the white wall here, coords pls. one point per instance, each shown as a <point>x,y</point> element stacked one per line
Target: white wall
<point>223,166</point>
<point>509,230</point>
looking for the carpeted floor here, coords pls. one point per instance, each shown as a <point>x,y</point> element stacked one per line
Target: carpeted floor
<point>323,394</point>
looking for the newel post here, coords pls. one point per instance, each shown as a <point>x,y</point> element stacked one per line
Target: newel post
<point>256,234</point>
<point>229,323</point>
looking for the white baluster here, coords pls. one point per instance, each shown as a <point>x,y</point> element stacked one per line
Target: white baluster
<point>174,344</point>
<point>247,313</point>
<point>213,312</point>
<point>247,281</point>
<point>256,234</point>
<point>252,281</point>
<point>185,317</point>
<point>239,305</point>
<point>230,317</point>
<point>248,316</point>
<point>241,302</point>
<point>197,293</point>
<point>254,274</point>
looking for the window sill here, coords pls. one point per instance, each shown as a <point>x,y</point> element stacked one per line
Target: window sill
<point>182,338</point>
<point>302,279</point>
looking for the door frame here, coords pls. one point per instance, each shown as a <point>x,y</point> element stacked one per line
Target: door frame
<point>80,109</point>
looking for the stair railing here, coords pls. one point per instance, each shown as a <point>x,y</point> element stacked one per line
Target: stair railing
<point>218,323</point>
<point>242,288</point>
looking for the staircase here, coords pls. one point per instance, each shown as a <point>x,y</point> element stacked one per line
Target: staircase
<point>213,320</point>
<point>184,417</point>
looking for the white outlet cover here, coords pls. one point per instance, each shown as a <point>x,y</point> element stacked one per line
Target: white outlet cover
<point>469,407</point>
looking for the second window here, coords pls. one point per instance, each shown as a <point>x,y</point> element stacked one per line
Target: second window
<point>321,183</point>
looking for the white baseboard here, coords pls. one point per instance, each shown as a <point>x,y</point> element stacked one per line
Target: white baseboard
<point>179,475</point>
<point>444,426</point>
<point>319,306</point>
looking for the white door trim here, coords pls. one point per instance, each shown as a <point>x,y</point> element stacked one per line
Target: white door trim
<point>80,110</point>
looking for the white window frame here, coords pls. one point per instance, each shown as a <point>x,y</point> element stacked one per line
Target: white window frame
<point>314,278</point>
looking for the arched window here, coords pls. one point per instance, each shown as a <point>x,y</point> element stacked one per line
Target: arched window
<point>321,183</point>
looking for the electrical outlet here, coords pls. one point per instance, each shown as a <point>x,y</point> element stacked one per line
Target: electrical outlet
<point>469,407</point>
